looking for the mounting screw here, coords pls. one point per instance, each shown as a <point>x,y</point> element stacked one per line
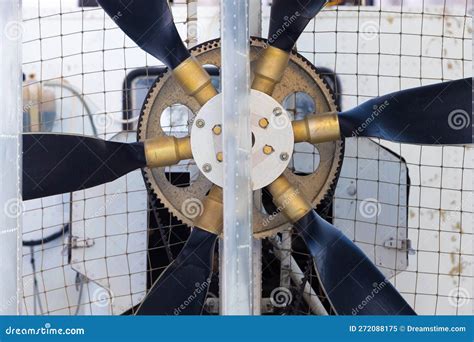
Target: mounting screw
<point>219,157</point>
<point>284,156</point>
<point>277,111</point>
<point>200,123</point>
<point>207,168</point>
<point>263,123</point>
<point>267,149</point>
<point>217,129</point>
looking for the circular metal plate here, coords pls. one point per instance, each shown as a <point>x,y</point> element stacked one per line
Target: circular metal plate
<point>273,139</point>
<point>300,76</point>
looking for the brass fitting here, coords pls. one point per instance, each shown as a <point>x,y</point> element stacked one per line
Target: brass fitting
<point>217,129</point>
<point>166,150</point>
<point>288,199</point>
<point>269,69</point>
<point>317,128</point>
<point>195,81</point>
<point>263,122</point>
<point>267,149</point>
<point>212,217</point>
<point>220,156</point>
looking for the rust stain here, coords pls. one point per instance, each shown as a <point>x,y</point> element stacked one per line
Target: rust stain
<point>458,268</point>
<point>442,214</point>
<point>452,255</point>
<point>458,227</point>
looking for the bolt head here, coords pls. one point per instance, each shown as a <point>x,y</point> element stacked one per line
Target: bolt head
<point>200,123</point>
<point>220,156</point>
<point>217,129</point>
<point>267,149</point>
<point>207,168</point>
<point>277,111</point>
<point>284,156</point>
<point>263,122</point>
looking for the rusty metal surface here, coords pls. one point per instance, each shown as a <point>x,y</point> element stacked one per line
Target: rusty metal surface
<point>300,76</point>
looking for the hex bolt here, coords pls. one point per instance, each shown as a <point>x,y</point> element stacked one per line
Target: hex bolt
<point>207,168</point>
<point>200,123</point>
<point>284,156</point>
<point>220,157</point>
<point>217,129</point>
<point>263,123</point>
<point>267,149</point>
<point>277,111</point>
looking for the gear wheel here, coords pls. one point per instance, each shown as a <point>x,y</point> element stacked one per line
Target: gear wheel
<point>300,76</point>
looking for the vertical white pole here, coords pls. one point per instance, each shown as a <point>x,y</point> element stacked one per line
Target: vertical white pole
<point>10,155</point>
<point>255,28</point>
<point>236,265</point>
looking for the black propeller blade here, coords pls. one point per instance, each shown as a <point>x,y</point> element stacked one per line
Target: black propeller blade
<point>58,163</point>
<point>150,25</point>
<point>182,288</point>
<point>433,114</point>
<point>288,18</point>
<point>351,281</point>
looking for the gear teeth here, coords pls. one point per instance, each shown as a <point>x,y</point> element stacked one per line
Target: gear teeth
<point>325,201</point>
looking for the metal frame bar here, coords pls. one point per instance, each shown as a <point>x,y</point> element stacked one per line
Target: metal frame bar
<point>11,29</point>
<point>255,29</point>
<point>236,262</point>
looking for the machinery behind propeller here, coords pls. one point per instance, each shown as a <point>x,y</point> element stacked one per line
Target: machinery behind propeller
<point>434,114</point>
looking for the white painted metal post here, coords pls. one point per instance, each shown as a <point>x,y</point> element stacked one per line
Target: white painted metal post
<point>10,155</point>
<point>236,265</point>
<point>255,29</point>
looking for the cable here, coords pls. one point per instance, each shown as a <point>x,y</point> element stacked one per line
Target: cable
<point>52,237</point>
<point>75,92</point>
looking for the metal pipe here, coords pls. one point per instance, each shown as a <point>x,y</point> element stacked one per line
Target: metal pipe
<point>309,295</point>
<point>236,264</point>
<point>11,29</point>
<point>191,20</point>
<point>255,29</point>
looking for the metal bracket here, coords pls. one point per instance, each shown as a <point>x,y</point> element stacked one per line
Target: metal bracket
<point>402,245</point>
<point>212,305</point>
<point>84,243</point>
